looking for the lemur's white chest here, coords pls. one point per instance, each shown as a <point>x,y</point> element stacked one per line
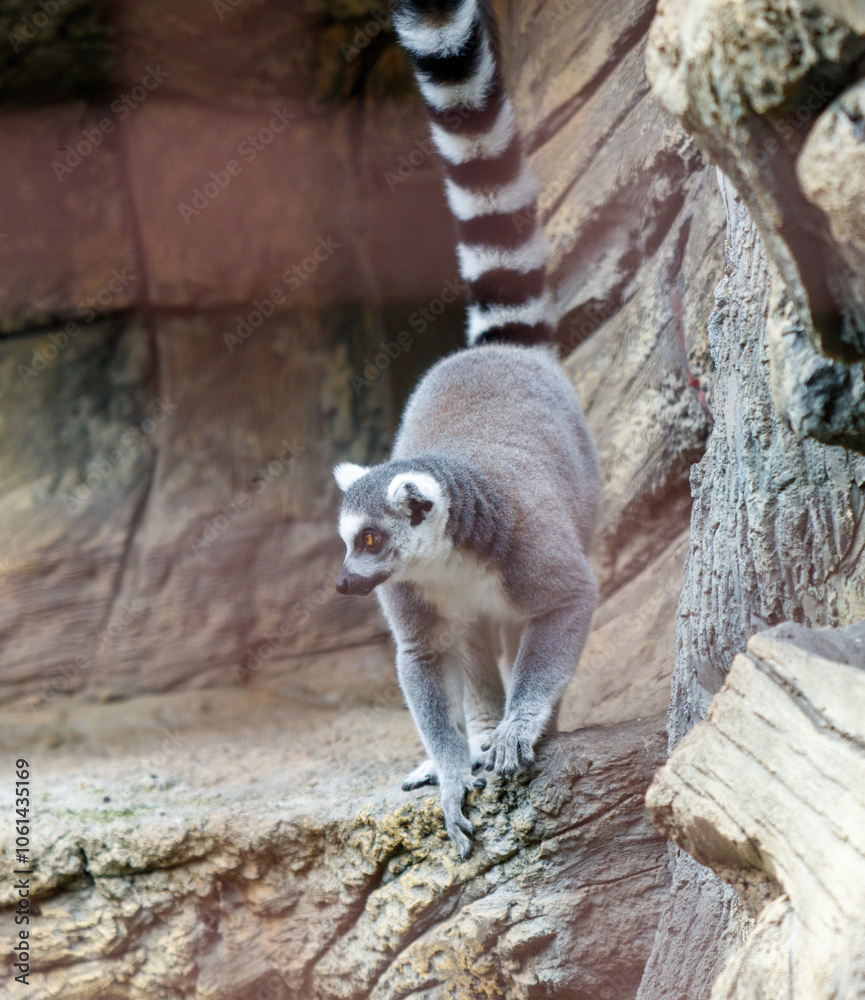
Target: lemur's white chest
<point>461,586</point>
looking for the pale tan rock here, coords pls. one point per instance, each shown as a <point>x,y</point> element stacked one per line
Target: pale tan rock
<point>635,224</point>
<point>175,862</point>
<point>633,376</point>
<point>754,82</point>
<point>768,792</point>
<point>831,168</point>
<point>627,665</point>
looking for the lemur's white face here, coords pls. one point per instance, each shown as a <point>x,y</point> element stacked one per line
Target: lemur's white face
<point>390,525</point>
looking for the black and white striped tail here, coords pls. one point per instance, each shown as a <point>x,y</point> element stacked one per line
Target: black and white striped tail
<point>502,249</point>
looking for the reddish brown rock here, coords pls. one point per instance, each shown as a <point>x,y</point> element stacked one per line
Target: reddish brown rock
<point>66,238</point>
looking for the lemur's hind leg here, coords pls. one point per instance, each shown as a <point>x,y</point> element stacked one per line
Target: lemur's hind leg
<point>511,635</point>
<point>483,699</point>
<point>483,693</point>
<point>424,774</point>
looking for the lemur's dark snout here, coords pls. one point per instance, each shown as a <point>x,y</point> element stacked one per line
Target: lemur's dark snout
<point>353,583</point>
<point>346,583</point>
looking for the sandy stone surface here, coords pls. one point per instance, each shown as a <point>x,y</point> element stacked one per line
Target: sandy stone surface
<point>219,845</point>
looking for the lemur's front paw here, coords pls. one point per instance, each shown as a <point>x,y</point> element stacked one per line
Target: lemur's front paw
<point>453,793</point>
<point>511,746</point>
<point>459,829</point>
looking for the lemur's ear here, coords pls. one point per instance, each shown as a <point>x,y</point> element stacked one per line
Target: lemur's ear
<point>415,494</point>
<point>347,473</point>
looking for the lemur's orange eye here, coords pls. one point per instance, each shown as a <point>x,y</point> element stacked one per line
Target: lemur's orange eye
<point>369,540</point>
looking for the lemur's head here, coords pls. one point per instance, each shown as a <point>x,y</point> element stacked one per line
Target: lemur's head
<point>392,518</point>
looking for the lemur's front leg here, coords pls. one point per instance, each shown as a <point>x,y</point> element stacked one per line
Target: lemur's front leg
<point>428,667</point>
<point>427,678</point>
<point>546,661</point>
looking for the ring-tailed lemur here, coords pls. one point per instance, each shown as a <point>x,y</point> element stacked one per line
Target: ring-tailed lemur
<point>474,534</point>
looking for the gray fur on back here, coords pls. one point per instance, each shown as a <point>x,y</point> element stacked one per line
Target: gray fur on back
<point>511,414</point>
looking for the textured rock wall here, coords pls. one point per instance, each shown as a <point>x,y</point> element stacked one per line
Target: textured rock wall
<point>776,525</point>
<point>636,231</point>
<point>138,557</point>
<point>178,386</point>
<point>776,521</point>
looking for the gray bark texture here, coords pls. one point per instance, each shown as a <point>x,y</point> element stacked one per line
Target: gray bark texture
<point>771,92</point>
<point>777,535</point>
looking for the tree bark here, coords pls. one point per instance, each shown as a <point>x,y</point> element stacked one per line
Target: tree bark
<point>776,536</point>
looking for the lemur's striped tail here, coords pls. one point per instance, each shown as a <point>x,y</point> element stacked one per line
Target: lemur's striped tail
<point>502,250</point>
